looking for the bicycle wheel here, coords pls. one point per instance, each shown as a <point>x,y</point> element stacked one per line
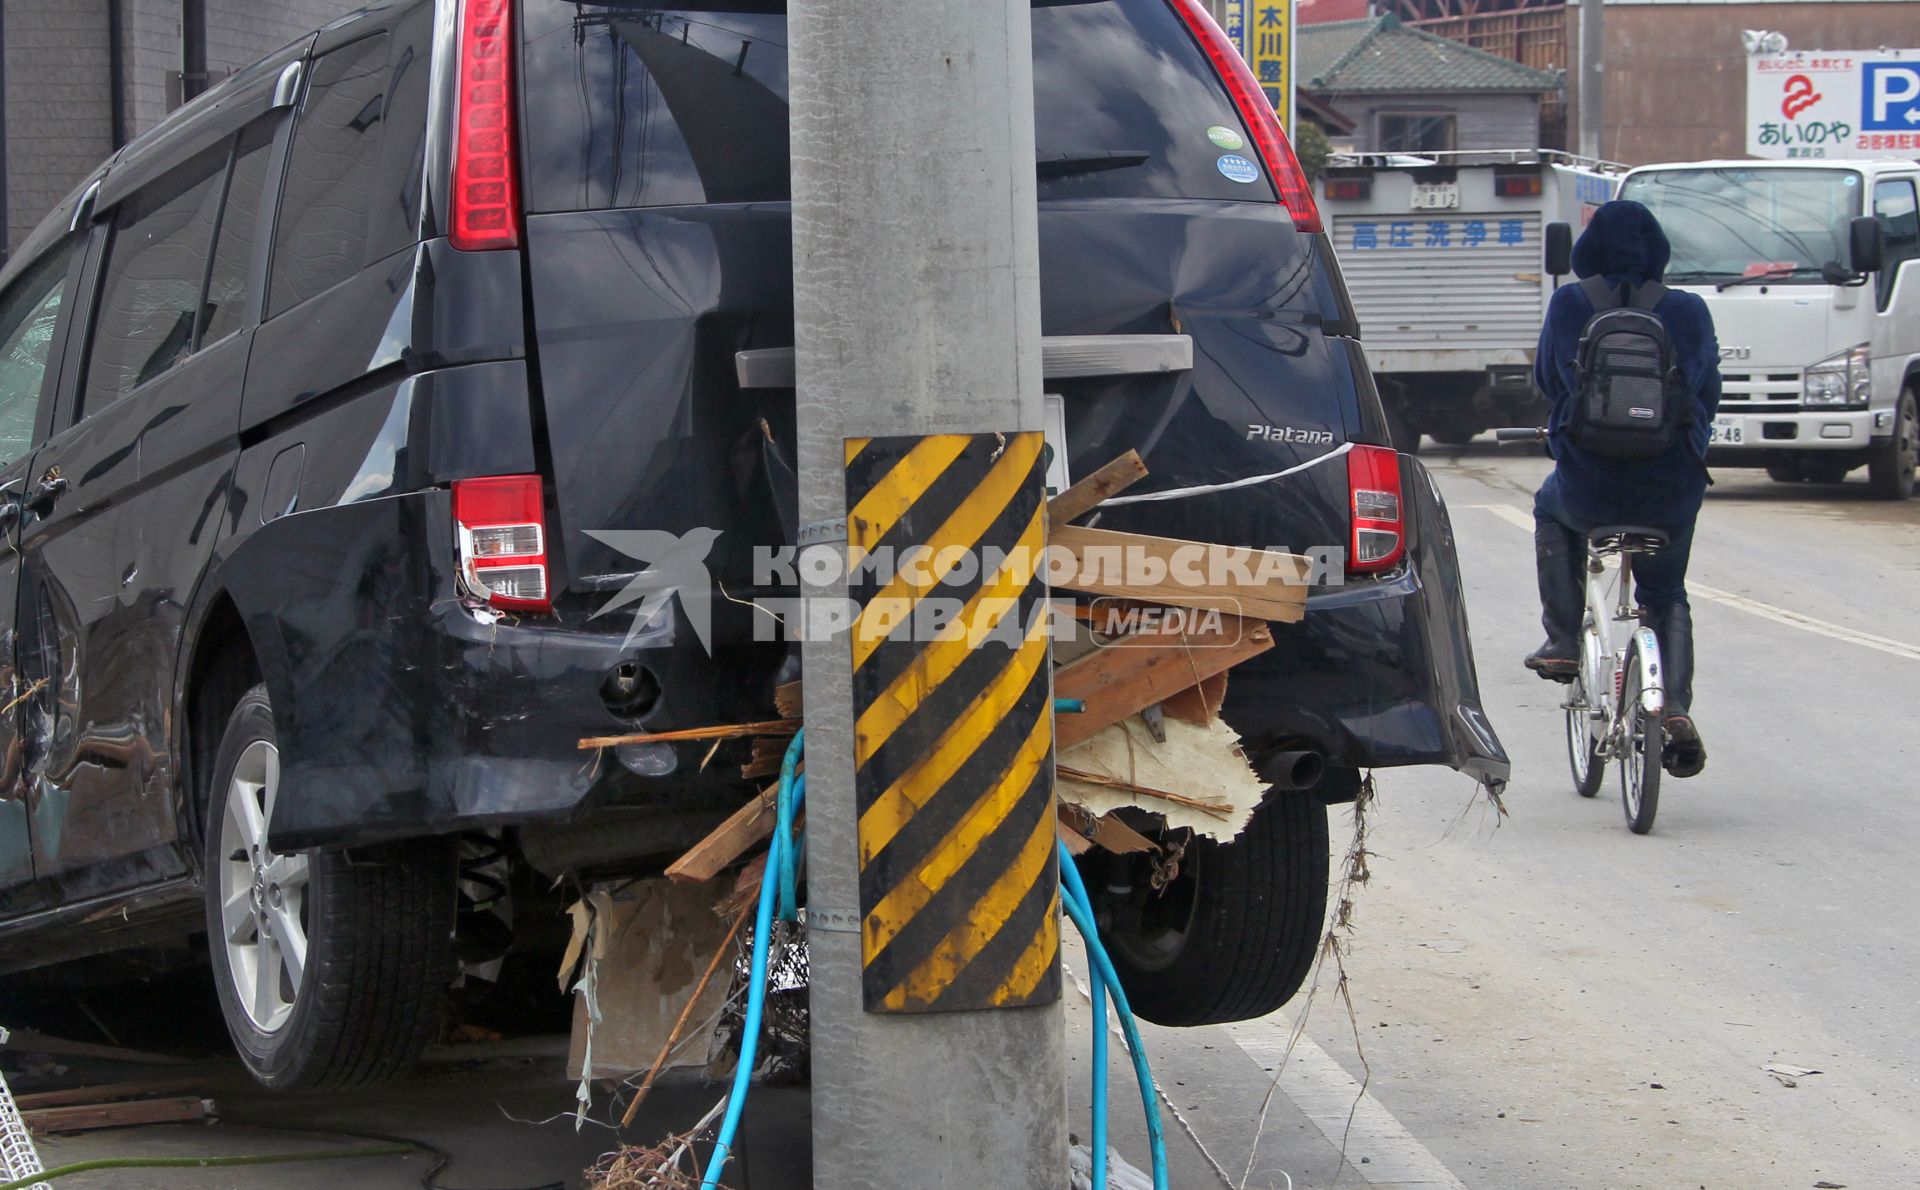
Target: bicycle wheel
<point>1640,753</point>
<point>1583,750</point>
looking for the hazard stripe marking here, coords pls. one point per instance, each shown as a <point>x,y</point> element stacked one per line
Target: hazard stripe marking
<point>953,737</point>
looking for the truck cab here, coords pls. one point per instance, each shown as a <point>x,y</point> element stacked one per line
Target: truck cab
<point>1807,267</point>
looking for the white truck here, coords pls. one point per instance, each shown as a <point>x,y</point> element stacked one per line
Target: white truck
<point>1450,259</point>
<point>1808,267</point>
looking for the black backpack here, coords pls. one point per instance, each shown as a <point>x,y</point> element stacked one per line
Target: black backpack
<point>1630,402</point>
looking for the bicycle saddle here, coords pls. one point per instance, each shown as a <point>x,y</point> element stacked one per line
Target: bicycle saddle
<point>1630,539</point>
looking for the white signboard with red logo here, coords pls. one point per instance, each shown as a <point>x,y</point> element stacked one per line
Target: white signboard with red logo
<point>1842,104</point>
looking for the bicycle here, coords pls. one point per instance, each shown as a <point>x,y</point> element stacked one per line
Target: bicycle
<point>1613,708</point>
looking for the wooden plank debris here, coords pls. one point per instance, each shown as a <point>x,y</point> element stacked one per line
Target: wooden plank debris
<point>1200,704</point>
<point>89,1117</point>
<point>1261,584</point>
<point>723,731</point>
<point>1087,495</point>
<point>101,1093</point>
<point>745,827</point>
<point>1124,679</point>
<point>786,700</point>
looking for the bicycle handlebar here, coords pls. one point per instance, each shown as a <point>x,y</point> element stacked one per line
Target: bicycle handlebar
<point>1520,434</point>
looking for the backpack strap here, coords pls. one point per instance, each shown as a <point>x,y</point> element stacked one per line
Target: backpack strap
<point>1600,295</point>
<point>1647,296</point>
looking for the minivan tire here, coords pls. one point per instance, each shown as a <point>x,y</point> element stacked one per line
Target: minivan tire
<point>376,928</point>
<point>1890,468</point>
<point>1234,934</point>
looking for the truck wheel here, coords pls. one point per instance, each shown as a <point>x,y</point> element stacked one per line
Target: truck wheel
<point>1890,468</point>
<point>1234,934</point>
<point>1400,429</point>
<point>1787,471</point>
<point>330,968</point>
<point>1454,435</point>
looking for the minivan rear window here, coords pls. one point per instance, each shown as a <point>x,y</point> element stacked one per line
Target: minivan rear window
<point>640,105</point>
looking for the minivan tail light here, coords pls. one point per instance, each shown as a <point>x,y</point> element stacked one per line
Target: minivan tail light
<point>1296,194</point>
<point>486,189</point>
<point>501,528</point>
<point>1373,484</point>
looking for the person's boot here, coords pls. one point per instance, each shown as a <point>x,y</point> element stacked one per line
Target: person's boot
<point>1561,561</point>
<point>1685,754</point>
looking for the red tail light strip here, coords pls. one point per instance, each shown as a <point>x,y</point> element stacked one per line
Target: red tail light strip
<point>1373,485</point>
<point>1296,194</point>
<point>501,525</point>
<point>486,188</point>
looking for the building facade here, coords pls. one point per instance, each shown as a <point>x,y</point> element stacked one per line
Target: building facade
<point>82,77</point>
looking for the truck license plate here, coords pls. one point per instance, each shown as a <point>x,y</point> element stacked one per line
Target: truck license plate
<point>1436,196</point>
<point>1727,432</point>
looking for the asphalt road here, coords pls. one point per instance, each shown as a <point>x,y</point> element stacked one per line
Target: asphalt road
<point>1541,1000</point>
<point>1547,1000</point>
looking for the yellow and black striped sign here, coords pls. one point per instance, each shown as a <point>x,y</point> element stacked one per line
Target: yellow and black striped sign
<point>953,731</point>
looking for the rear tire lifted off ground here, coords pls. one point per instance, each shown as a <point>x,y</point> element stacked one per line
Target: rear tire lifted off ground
<point>1234,934</point>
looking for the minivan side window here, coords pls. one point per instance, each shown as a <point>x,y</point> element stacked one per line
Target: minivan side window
<point>321,238</point>
<point>230,281</point>
<point>29,312</point>
<point>155,265</point>
<point>1894,206</point>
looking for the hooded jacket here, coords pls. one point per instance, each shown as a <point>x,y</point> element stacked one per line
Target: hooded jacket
<point>1624,244</point>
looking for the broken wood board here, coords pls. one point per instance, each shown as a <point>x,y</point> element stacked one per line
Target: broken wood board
<point>1129,676</point>
<point>1199,705</point>
<point>745,827</point>
<point>91,1117</point>
<point>650,941</point>
<point>1123,766</point>
<point>1260,584</point>
<point>102,1093</point>
<point>1087,831</point>
<point>1087,495</point>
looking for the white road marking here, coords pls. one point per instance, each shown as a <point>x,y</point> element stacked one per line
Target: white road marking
<point>1768,611</point>
<point>1345,1113</point>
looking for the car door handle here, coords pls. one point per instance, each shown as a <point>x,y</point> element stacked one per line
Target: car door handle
<point>41,496</point>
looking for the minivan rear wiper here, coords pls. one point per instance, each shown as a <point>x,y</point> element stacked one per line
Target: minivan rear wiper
<point>1059,165</point>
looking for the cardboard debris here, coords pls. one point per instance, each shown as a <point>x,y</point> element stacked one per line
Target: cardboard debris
<point>646,945</point>
<point>1204,764</point>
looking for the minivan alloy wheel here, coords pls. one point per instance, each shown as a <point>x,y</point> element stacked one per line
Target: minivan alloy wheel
<point>262,895</point>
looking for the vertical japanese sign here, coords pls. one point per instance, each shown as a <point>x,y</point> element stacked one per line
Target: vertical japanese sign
<point>1864,104</point>
<point>1263,29</point>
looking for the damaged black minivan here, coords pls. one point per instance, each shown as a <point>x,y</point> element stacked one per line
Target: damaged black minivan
<point>324,405</point>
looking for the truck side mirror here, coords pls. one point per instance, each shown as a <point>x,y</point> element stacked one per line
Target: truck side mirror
<point>1864,248</point>
<point>1559,253</point>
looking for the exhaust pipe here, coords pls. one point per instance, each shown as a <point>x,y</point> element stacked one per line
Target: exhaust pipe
<point>1295,771</point>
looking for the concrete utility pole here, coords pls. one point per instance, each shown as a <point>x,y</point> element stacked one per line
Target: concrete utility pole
<point>916,312</point>
<point>1593,41</point>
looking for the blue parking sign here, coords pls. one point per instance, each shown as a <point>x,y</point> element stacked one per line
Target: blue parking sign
<point>1890,97</point>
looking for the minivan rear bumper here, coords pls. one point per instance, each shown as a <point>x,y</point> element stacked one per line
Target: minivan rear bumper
<point>1380,673</point>
<point>402,711</point>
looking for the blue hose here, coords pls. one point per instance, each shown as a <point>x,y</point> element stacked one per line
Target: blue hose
<point>779,897</point>
<point>1080,908</point>
<point>776,882</point>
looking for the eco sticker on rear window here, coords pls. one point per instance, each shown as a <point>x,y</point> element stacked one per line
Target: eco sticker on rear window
<point>1238,169</point>
<point>1226,138</point>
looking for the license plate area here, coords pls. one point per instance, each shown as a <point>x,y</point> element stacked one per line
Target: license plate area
<point>1436,196</point>
<point>1727,431</point>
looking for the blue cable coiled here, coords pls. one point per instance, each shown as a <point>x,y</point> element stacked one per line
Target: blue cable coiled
<point>779,897</point>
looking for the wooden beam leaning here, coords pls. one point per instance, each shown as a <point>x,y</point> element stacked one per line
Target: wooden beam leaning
<point>1087,495</point>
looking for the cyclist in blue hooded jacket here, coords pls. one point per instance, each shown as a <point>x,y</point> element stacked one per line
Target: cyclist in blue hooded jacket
<point>1624,244</point>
